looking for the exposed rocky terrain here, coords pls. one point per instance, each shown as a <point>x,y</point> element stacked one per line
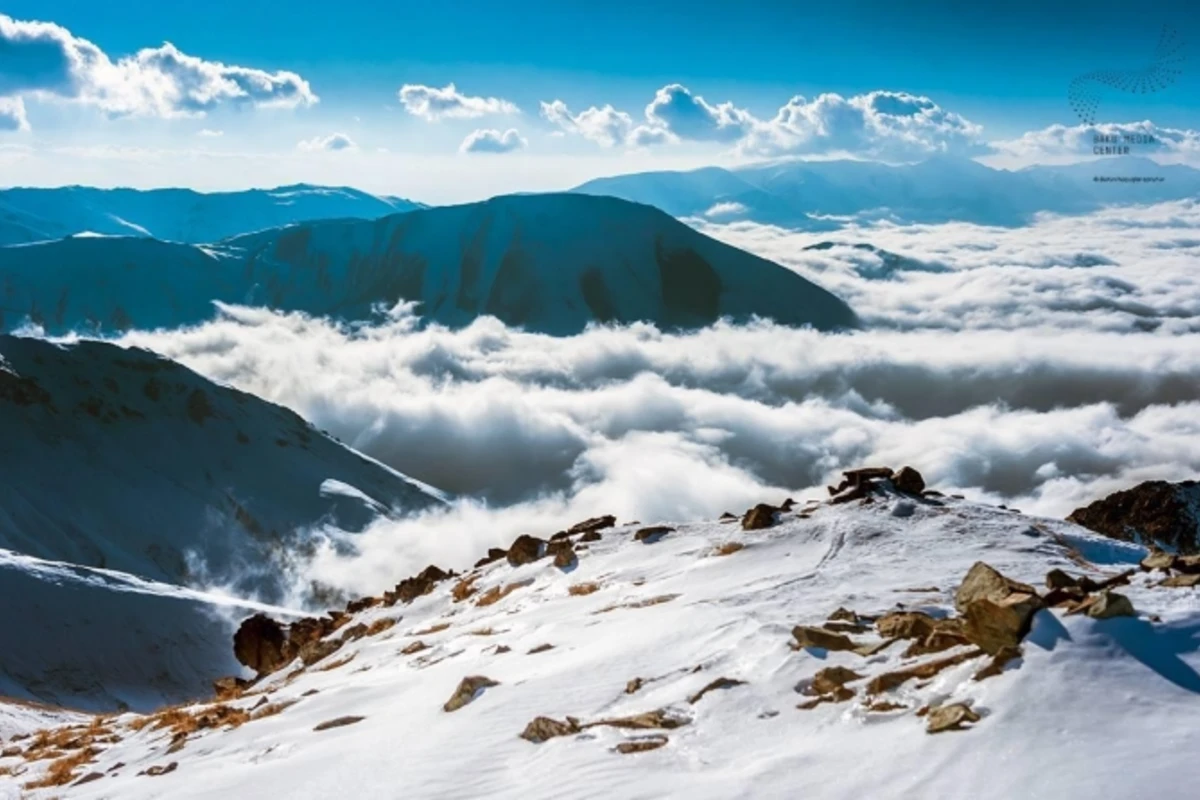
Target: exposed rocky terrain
<point>1154,513</point>
<point>984,651</point>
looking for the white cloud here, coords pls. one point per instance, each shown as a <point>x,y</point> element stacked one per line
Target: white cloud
<point>433,104</point>
<point>1057,142</point>
<point>46,61</point>
<point>688,116</point>
<point>881,124</point>
<point>726,209</point>
<point>209,133</point>
<point>12,115</point>
<point>606,126</point>
<point>489,140</point>
<point>1020,373</point>
<point>332,142</point>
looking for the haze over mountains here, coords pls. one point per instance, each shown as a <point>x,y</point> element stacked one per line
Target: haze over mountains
<point>178,215</point>
<point>804,194</point>
<point>549,263</point>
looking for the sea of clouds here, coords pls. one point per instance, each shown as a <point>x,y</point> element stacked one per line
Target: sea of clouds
<point>1040,367</point>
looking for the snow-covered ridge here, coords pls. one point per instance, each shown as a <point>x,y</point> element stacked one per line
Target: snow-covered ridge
<point>548,263</point>
<point>680,661</point>
<point>178,215</point>
<point>118,458</point>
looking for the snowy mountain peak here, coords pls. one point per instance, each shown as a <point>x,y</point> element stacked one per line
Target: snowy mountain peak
<point>170,476</point>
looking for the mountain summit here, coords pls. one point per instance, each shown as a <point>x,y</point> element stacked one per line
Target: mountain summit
<point>548,263</point>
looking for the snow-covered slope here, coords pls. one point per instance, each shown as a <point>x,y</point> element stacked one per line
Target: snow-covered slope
<point>550,263</point>
<point>799,194</point>
<point>179,215</point>
<point>632,634</point>
<point>118,458</point>
<point>100,640</point>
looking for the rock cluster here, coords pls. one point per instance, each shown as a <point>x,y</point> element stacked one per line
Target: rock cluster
<point>1165,514</point>
<point>857,484</point>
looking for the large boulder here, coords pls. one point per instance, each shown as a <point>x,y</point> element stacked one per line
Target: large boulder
<point>261,644</point>
<point>1155,512</point>
<point>998,610</point>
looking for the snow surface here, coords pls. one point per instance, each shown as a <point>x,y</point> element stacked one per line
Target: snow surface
<point>549,263</point>
<point>100,640</point>
<point>118,458</point>
<point>179,215</point>
<point>1094,709</point>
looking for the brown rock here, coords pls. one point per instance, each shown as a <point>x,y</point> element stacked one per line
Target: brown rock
<point>468,689</point>
<point>830,679</point>
<point>1188,564</point>
<point>839,695</point>
<point>1155,511</point>
<point>525,550</point>
<point>983,581</point>
<point>541,648</point>
<point>158,770</point>
<point>946,633</point>
<point>410,589</point>
<point>493,554</point>
<point>909,481</point>
<point>641,745</point>
<point>261,645</point>
<point>564,554</point>
<point>949,718</point>
<point>905,625</point>
<point>659,718</point>
<point>1157,559</point>
<point>593,524</point>
<point>845,615</point>
<point>415,647</point>
<point>362,604</point>
<point>312,652</point>
<point>996,665</point>
<point>1110,604</point>
<point>464,588</point>
<point>843,627</point>
<point>808,636</point>
<point>633,685</point>
<point>719,683</point>
<point>542,729</point>
<point>996,625</point>
<point>727,517</point>
<point>1065,596</point>
<point>1057,579</point>
<point>652,534</point>
<point>759,517</point>
<point>227,688</point>
<point>591,536</point>
<point>890,680</point>
<point>1181,581</point>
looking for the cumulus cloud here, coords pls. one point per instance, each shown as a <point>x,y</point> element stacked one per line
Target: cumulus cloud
<point>688,116</point>
<point>881,124</point>
<point>12,114</point>
<point>489,140</point>
<point>1058,141</point>
<point>46,61</point>
<point>433,104</point>
<point>605,126</point>
<point>726,209</point>
<point>331,143</point>
<point>1028,368</point>
<point>209,133</point>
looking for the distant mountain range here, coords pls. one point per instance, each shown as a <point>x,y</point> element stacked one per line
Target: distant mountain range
<point>819,195</point>
<point>550,263</point>
<point>120,459</point>
<point>178,215</point>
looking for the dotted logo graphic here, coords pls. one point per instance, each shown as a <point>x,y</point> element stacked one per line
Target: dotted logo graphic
<point>1086,91</point>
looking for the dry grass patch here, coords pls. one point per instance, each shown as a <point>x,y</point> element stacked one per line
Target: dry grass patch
<point>380,625</point>
<point>649,601</point>
<point>438,628</point>
<point>582,589</point>
<point>341,662</point>
<point>464,588</point>
<point>729,548</point>
<point>497,593</point>
<point>62,771</point>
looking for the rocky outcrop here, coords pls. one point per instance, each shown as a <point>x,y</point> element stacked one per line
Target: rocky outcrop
<point>420,584</point>
<point>261,644</point>
<point>759,517</point>
<point>1154,513</point>
<point>998,610</point>
<point>469,688</point>
<point>525,549</point>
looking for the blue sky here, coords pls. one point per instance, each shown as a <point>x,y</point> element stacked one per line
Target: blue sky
<point>990,72</point>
